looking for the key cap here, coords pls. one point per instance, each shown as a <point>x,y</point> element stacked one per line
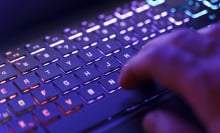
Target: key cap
<point>2,62</point>
<point>70,64</point>
<point>122,25</point>
<point>67,48</point>
<point>123,13</point>
<point>7,92</point>
<point>104,32</point>
<point>69,103</point>
<point>45,94</point>
<point>34,48</point>
<point>89,27</point>
<point>21,105</point>
<point>110,83</point>
<point>7,73</point>
<point>108,47</point>
<point>91,93</point>
<point>88,74</point>
<point>125,54</point>
<point>5,115</point>
<point>86,40</point>
<point>195,9</point>
<point>48,73</point>
<point>24,124</point>
<point>90,55</point>
<point>127,38</point>
<point>162,25</point>
<point>71,33</point>
<point>47,114</point>
<point>67,84</point>
<point>26,65</point>
<point>139,6</point>
<point>47,57</point>
<point>145,32</point>
<point>15,55</point>
<point>27,83</point>
<point>108,65</point>
<point>54,40</point>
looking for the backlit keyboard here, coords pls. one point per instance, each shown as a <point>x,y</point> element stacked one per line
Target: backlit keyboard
<point>69,82</point>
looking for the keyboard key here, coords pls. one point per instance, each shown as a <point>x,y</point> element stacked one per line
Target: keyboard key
<point>89,27</point>
<point>33,48</point>
<point>122,25</point>
<point>7,73</point>
<point>24,124</point>
<point>90,55</point>
<point>162,25</point>
<point>26,65</point>
<point>46,57</point>
<point>7,92</point>
<point>2,62</point>
<point>67,48</point>
<point>54,40</point>
<point>123,13</point>
<point>109,47</point>
<point>70,63</point>
<point>86,40</point>
<point>15,55</point>
<point>27,83</point>
<point>124,55</point>
<point>49,73</point>
<point>145,32</point>
<point>91,93</point>
<point>88,74</point>
<point>110,83</point>
<point>127,38</point>
<point>47,114</point>
<point>104,32</point>
<point>21,105</point>
<point>45,94</point>
<point>108,65</point>
<point>69,103</point>
<point>5,115</point>
<point>67,84</point>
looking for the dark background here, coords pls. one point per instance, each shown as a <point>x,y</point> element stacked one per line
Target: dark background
<point>24,20</point>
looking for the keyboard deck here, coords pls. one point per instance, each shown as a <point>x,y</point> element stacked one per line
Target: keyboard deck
<point>69,82</point>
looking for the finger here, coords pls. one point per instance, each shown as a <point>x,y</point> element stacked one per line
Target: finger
<point>165,63</point>
<point>212,31</point>
<point>164,122</point>
<point>188,40</point>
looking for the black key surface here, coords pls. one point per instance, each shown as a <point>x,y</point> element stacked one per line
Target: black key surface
<point>69,103</point>
<point>7,73</point>
<point>26,65</point>
<point>48,73</point>
<point>90,55</point>
<point>22,105</point>
<point>45,94</point>
<point>8,91</point>
<point>67,84</point>
<point>70,63</point>
<point>109,46</point>
<point>108,65</point>
<point>27,82</point>
<point>46,57</point>
<point>88,74</point>
<point>91,93</point>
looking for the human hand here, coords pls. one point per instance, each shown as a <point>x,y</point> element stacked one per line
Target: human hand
<point>187,62</point>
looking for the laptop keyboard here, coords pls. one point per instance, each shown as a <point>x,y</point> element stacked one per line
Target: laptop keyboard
<point>43,84</point>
